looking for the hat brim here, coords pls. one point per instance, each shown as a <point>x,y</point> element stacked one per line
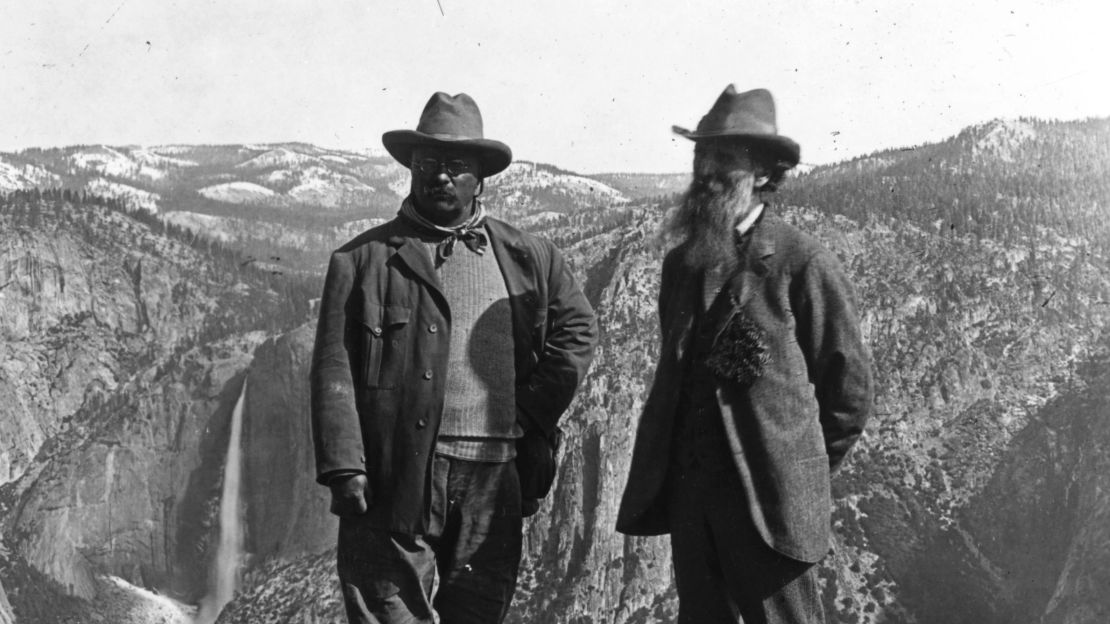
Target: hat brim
<point>785,149</point>
<point>493,156</point>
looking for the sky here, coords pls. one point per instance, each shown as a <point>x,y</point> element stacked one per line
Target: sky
<point>588,85</point>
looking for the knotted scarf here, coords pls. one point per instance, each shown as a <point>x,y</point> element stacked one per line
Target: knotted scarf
<point>469,232</point>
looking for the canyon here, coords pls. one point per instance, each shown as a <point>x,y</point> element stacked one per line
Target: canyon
<point>978,493</point>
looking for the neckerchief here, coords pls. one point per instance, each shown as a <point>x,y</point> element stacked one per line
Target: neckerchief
<point>469,232</point>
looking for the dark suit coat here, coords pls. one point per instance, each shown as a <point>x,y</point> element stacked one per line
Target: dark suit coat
<point>379,366</point>
<point>795,422</point>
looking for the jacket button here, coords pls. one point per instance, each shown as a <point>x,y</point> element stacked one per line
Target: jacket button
<point>433,328</point>
<point>377,331</point>
<point>428,374</point>
<point>420,424</point>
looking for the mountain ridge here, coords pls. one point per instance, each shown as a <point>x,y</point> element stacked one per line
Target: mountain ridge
<point>989,341</point>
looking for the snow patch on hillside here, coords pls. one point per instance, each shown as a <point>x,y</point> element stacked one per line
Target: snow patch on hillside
<point>138,198</point>
<point>279,157</point>
<point>103,159</point>
<point>237,192</point>
<point>280,176</point>
<point>112,162</point>
<point>522,177</point>
<point>323,187</point>
<point>150,157</point>
<point>18,178</point>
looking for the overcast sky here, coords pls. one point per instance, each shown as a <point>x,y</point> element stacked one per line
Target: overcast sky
<point>588,85</point>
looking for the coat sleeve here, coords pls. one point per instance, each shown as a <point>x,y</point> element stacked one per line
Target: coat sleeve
<point>567,350</point>
<point>838,360</point>
<point>336,432</point>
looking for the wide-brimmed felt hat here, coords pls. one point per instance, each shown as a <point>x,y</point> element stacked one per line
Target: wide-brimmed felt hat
<point>454,122</point>
<point>748,116</point>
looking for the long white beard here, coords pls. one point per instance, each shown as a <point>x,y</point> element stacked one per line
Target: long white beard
<point>706,220</point>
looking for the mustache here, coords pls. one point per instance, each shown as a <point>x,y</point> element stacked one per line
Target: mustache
<point>714,183</point>
<point>439,191</point>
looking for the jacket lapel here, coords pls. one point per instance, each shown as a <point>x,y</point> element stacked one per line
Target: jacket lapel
<point>682,304</point>
<point>412,253</point>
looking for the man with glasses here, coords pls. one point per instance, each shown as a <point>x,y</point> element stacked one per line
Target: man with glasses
<point>446,338</point>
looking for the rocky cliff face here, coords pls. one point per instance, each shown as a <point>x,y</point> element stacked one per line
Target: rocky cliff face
<point>133,494</point>
<point>6,615</point>
<point>286,510</point>
<point>127,491</point>
<point>965,360</point>
<point>966,363</point>
<point>122,346</point>
<point>89,296</point>
<point>1051,559</point>
<point>977,494</point>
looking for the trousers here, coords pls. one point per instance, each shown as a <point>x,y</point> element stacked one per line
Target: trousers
<point>724,571</point>
<point>462,571</point>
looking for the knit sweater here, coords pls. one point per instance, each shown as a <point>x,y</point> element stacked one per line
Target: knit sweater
<point>479,414</point>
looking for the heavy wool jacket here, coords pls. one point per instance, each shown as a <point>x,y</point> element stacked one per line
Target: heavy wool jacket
<point>795,407</point>
<point>379,364</point>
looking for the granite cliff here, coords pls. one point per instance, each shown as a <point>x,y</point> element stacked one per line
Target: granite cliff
<point>977,494</point>
<point>980,337</point>
<point>951,419</point>
<point>123,342</point>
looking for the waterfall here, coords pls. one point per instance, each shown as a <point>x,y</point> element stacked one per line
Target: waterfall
<point>225,578</point>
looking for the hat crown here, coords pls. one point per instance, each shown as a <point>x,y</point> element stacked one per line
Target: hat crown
<point>450,122</point>
<point>449,116</point>
<point>747,116</point>
<point>750,112</point>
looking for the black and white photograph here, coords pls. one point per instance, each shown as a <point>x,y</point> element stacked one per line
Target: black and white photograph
<point>593,312</point>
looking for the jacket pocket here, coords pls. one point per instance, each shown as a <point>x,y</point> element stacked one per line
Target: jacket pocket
<point>386,344</point>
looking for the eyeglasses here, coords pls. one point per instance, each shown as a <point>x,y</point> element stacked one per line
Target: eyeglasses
<point>431,166</point>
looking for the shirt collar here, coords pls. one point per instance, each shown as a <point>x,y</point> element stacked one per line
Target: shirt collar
<point>747,222</point>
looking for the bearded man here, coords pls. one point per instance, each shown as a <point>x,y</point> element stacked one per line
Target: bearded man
<point>761,339</point>
<point>449,344</point>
